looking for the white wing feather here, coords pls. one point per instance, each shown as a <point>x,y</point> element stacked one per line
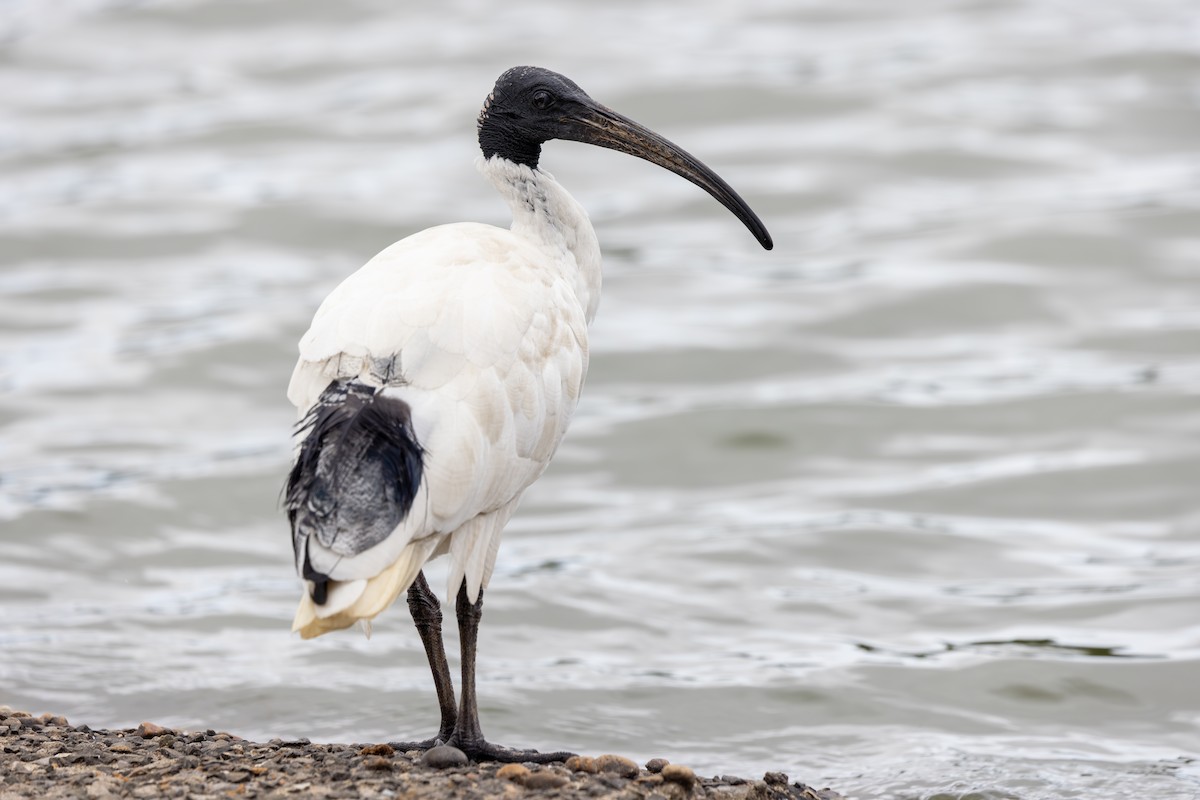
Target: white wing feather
<point>481,333</point>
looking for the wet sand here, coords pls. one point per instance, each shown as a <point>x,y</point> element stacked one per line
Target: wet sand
<point>47,757</point>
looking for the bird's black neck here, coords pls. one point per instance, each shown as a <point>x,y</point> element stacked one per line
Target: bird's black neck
<point>496,138</point>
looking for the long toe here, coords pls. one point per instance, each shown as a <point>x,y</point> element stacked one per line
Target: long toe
<point>404,747</point>
<point>482,750</point>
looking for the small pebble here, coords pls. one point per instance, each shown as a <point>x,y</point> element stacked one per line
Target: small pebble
<point>513,772</point>
<point>545,780</point>
<point>656,764</point>
<point>378,763</point>
<point>444,756</point>
<point>148,730</point>
<point>775,779</point>
<point>237,776</point>
<point>675,791</point>
<point>618,765</point>
<point>611,780</point>
<point>678,773</point>
<point>582,764</point>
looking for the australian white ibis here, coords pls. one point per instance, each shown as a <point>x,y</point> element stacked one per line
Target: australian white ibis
<point>436,383</point>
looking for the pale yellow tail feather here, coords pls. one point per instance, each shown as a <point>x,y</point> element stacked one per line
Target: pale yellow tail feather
<point>379,593</point>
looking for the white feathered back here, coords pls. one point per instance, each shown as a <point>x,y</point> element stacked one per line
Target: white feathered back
<point>483,333</point>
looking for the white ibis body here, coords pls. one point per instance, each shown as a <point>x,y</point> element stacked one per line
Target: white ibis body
<point>436,383</point>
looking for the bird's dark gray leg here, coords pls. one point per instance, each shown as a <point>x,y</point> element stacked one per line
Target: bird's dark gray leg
<point>468,736</point>
<point>427,614</point>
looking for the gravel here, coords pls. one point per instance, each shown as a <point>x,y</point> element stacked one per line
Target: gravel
<point>46,757</point>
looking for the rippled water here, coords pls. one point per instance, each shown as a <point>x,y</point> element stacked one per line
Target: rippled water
<point>908,506</point>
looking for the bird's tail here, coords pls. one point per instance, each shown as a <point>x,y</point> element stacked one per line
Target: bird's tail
<point>363,599</point>
<point>357,473</point>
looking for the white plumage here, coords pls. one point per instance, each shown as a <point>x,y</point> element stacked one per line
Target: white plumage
<point>483,333</point>
<point>436,383</point>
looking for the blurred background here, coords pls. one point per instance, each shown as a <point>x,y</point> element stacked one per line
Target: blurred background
<point>908,506</point>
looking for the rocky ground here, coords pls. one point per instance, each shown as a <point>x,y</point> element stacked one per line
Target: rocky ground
<point>46,757</point>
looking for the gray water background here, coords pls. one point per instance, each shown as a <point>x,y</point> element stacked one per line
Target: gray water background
<point>909,506</point>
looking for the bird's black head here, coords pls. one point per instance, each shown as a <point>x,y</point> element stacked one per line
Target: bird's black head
<point>526,108</point>
<point>532,105</point>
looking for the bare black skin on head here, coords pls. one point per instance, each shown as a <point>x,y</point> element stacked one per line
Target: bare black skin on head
<point>532,105</point>
<point>524,110</point>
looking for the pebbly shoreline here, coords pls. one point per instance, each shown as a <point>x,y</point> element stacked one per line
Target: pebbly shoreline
<point>46,757</point>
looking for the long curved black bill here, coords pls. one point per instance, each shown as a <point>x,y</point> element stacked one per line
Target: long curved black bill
<point>602,126</point>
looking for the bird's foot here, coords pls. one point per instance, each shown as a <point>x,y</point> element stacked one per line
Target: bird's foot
<point>428,744</point>
<point>481,750</point>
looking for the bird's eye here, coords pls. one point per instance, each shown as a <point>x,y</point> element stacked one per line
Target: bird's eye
<point>542,100</point>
